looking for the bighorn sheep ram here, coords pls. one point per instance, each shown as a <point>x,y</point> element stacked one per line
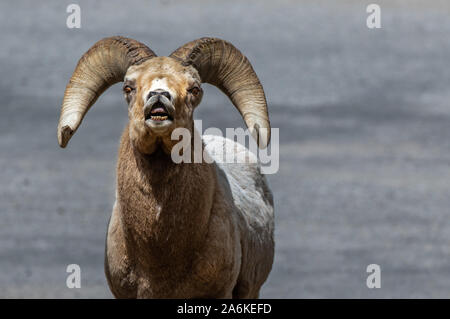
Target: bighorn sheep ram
<point>186,230</point>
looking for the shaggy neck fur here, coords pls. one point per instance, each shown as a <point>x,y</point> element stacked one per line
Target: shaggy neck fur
<point>165,207</point>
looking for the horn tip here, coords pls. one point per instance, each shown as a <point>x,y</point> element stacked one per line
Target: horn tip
<point>64,135</point>
<point>261,135</point>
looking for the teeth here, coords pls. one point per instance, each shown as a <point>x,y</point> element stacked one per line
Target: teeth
<point>159,118</point>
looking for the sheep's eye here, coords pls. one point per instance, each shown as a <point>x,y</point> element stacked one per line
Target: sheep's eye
<point>127,89</point>
<point>195,91</point>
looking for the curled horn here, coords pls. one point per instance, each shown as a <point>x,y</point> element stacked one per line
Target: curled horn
<point>103,65</point>
<point>219,63</point>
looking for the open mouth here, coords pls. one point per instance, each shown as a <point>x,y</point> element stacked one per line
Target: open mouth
<point>158,113</point>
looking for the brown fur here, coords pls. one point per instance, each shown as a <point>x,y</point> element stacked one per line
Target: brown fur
<point>178,230</point>
<point>173,232</point>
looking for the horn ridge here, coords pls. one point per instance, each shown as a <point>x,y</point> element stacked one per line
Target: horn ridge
<point>221,64</point>
<point>103,65</point>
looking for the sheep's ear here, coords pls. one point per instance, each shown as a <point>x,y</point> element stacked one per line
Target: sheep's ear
<point>219,63</point>
<point>103,65</point>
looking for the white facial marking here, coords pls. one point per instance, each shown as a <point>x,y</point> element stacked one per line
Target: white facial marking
<point>158,84</point>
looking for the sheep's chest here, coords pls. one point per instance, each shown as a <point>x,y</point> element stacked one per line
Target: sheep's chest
<point>145,272</point>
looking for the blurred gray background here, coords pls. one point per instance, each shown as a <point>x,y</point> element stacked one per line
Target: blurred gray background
<point>364,122</point>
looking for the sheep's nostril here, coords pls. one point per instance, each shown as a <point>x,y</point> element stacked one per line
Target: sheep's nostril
<point>166,94</point>
<point>159,92</point>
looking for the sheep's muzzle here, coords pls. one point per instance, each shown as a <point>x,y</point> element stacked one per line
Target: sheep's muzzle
<point>158,112</point>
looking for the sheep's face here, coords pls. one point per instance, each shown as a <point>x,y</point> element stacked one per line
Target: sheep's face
<point>161,94</point>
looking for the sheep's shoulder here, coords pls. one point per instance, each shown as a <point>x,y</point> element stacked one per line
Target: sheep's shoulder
<point>253,208</point>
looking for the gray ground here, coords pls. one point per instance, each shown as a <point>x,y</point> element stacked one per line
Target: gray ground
<point>364,124</point>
